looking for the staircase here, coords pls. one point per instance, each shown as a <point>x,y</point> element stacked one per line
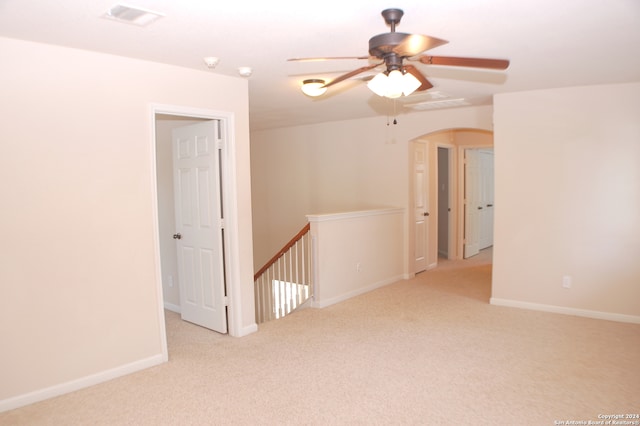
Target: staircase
<point>285,282</point>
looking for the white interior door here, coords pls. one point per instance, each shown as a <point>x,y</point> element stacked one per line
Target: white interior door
<point>199,224</point>
<point>486,198</point>
<point>420,205</point>
<point>471,203</point>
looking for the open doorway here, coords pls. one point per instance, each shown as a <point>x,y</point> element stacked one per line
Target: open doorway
<point>478,200</point>
<point>446,247</point>
<point>167,296</point>
<point>190,186</point>
<point>164,126</point>
<point>442,235</point>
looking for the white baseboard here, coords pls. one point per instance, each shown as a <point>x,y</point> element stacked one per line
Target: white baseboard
<point>610,316</point>
<point>173,308</point>
<point>357,292</point>
<point>245,331</point>
<point>74,385</point>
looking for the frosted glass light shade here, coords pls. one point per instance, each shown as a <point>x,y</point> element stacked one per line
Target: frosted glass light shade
<point>409,84</point>
<point>378,84</point>
<point>313,87</point>
<point>393,85</point>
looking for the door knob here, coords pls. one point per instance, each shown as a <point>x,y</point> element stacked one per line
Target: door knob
<point>177,236</point>
<point>425,214</point>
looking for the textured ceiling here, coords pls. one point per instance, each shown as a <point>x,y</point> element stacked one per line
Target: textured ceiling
<point>550,43</point>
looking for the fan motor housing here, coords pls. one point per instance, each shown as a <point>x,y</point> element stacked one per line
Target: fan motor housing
<point>382,44</point>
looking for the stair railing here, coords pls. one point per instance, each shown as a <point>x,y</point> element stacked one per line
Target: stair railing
<point>285,282</point>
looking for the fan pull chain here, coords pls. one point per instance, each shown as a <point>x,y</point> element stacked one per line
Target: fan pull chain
<point>395,114</point>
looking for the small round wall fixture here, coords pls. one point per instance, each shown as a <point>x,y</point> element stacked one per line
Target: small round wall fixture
<point>313,87</point>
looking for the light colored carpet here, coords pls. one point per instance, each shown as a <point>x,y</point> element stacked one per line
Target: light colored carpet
<point>430,350</point>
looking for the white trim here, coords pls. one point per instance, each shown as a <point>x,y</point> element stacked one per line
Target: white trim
<point>610,316</point>
<point>245,331</point>
<point>156,242</point>
<point>461,192</point>
<point>452,232</point>
<point>410,247</point>
<point>315,269</point>
<point>357,292</point>
<point>232,231</point>
<point>353,214</point>
<point>84,382</point>
<point>230,195</point>
<point>173,308</point>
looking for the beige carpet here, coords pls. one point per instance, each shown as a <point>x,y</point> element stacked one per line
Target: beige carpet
<point>430,351</point>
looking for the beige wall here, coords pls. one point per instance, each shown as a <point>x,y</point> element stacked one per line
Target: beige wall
<point>335,167</point>
<point>566,179</point>
<point>355,252</point>
<point>567,187</point>
<point>78,277</point>
<point>472,138</point>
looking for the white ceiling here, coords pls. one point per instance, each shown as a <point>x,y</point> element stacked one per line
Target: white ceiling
<point>550,43</point>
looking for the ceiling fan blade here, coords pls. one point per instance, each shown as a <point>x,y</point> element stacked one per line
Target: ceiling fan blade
<point>351,74</point>
<point>414,44</point>
<point>328,58</point>
<point>426,84</point>
<point>496,64</point>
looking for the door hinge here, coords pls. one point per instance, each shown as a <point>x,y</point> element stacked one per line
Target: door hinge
<point>225,300</point>
<point>222,224</point>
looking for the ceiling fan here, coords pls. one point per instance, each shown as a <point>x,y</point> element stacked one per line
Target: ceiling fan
<point>392,49</point>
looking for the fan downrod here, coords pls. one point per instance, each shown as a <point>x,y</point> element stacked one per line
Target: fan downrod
<point>382,44</point>
<point>392,17</point>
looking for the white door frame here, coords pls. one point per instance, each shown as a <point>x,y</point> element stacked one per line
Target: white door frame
<point>486,216</point>
<point>413,149</point>
<point>461,179</point>
<point>453,199</point>
<point>230,196</point>
<point>198,148</point>
<point>456,170</point>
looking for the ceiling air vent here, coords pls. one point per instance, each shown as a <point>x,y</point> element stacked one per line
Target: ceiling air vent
<point>132,15</point>
<point>448,103</point>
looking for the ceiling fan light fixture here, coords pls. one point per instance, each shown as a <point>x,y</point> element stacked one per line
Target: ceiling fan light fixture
<point>313,87</point>
<point>391,50</point>
<point>378,84</point>
<point>410,84</point>
<point>394,85</point>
